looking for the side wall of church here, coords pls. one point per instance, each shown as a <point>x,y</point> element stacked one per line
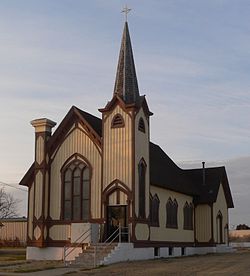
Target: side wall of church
<point>77,141</point>
<point>203,221</point>
<point>141,151</point>
<point>220,206</point>
<point>162,233</point>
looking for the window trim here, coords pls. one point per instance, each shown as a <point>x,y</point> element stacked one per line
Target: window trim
<point>188,210</point>
<point>141,210</point>
<point>154,218</point>
<point>73,159</point>
<point>172,213</point>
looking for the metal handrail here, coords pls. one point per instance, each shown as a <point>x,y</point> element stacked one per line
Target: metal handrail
<point>106,244</point>
<point>117,230</point>
<point>76,245</point>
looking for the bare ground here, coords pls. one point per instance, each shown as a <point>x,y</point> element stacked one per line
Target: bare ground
<point>236,264</point>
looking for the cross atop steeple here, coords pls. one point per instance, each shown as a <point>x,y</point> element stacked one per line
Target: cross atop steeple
<point>126,10</point>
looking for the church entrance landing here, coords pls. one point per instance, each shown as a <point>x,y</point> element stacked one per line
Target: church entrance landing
<point>117,216</point>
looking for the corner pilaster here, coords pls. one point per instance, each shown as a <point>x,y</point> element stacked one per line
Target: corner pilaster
<point>43,128</point>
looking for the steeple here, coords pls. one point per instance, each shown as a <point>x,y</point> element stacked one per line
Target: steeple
<point>126,85</point>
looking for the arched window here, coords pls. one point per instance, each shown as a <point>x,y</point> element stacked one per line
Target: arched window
<point>154,210</point>
<point>172,213</point>
<point>76,191</point>
<point>188,216</point>
<point>142,188</point>
<point>141,125</point>
<point>117,121</point>
<point>219,223</point>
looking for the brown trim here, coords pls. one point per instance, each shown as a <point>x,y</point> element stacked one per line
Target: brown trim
<point>115,185</point>
<point>28,178</point>
<point>116,100</point>
<point>72,116</point>
<point>62,140</point>
<point>117,197</point>
<point>142,221</point>
<point>151,201</point>
<point>205,244</point>
<point>220,234</point>
<point>28,222</point>
<point>72,159</point>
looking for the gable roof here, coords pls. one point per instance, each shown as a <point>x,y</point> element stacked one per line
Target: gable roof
<point>208,191</point>
<point>93,124</point>
<point>166,174</point>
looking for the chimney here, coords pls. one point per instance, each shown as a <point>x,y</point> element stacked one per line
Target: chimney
<point>203,174</point>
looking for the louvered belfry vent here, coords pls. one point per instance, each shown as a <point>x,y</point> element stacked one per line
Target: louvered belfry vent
<point>117,121</point>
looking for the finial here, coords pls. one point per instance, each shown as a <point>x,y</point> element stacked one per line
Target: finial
<point>126,10</point>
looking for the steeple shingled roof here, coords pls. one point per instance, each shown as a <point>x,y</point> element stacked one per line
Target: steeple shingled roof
<point>126,85</point>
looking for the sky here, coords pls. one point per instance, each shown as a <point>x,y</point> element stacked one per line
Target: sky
<point>192,60</point>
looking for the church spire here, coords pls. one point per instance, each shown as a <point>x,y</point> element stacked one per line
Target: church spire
<point>126,85</point>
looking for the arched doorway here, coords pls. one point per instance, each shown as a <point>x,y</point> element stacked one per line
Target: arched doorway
<point>116,199</point>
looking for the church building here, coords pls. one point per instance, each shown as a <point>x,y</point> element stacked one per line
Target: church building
<point>102,179</point>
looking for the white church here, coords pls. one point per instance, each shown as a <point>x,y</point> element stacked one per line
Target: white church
<point>101,183</point>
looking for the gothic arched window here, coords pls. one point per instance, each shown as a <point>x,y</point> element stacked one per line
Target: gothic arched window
<point>172,213</point>
<point>154,210</point>
<point>188,216</point>
<point>142,188</point>
<point>76,190</point>
<point>117,121</point>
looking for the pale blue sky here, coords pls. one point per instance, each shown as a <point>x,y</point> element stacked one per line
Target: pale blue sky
<point>192,60</point>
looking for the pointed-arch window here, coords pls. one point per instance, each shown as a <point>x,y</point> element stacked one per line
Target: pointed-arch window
<point>117,121</point>
<point>172,213</point>
<point>142,188</point>
<point>75,187</point>
<point>141,125</point>
<point>188,216</point>
<point>154,210</point>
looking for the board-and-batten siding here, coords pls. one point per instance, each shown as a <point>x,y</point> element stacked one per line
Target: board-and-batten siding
<point>76,142</point>
<point>117,150</point>
<point>38,195</point>
<point>220,205</point>
<point>113,200</point>
<point>141,151</point>
<point>203,223</point>
<point>162,233</point>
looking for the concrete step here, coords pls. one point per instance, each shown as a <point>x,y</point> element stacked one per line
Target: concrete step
<point>98,251</point>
